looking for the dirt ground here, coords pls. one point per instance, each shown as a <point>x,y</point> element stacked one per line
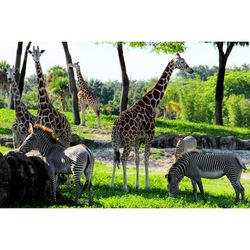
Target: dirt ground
<point>162,159</point>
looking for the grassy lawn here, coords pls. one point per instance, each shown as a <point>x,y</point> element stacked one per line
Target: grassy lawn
<point>163,126</point>
<point>219,192</point>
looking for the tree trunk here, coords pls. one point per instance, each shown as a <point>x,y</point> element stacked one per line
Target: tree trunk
<point>219,94</point>
<point>125,80</point>
<point>72,85</point>
<point>220,91</point>
<point>17,66</point>
<point>23,71</point>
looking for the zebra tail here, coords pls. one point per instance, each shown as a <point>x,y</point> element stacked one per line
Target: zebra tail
<point>242,164</point>
<point>88,183</point>
<point>117,158</point>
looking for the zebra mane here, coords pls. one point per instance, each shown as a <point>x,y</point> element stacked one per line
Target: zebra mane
<point>46,129</point>
<point>185,155</point>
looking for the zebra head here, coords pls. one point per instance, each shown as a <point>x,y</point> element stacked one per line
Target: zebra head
<point>31,141</point>
<point>180,63</point>
<point>173,185</point>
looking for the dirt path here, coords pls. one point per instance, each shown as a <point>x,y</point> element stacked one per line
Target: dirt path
<point>161,159</point>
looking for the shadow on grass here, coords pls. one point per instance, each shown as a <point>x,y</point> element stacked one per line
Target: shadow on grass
<point>5,131</point>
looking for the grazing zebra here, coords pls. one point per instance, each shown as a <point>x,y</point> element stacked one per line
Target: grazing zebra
<point>184,145</point>
<point>196,165</point>
<point>61,159</point>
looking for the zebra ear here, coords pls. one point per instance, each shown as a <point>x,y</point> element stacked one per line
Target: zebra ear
<point>30,129</point>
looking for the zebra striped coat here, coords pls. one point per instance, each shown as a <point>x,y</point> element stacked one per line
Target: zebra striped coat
<point>197,165</point>
<point>184,145</point>
<point>60,159</point>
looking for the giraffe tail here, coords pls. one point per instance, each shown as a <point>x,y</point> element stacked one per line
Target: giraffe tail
<point>117,158</point>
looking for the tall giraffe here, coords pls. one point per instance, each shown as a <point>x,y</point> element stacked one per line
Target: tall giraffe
<point>86,96</point>
<point>47,115</point>
<point>137,124</point>
<point>23,116</point>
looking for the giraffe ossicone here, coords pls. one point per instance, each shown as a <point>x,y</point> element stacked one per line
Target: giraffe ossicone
<point>137,124</point>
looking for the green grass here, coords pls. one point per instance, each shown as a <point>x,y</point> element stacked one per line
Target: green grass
<point>219,192</point>
<point>163,126</point>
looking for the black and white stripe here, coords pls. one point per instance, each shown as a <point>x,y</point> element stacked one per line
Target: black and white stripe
<point>197,165</point>
<point>76,160</point>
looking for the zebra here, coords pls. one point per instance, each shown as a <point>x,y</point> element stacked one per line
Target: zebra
<point>186,144</point>
<point>197,165</point>
<point>60,159</point>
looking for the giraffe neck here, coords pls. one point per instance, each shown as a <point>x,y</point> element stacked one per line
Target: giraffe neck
<point>43,95</point>
<point>16,95</point>
<point>154,96</point>
<point>81,82</point>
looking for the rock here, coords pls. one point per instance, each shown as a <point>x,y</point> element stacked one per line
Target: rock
<point>5,181</point>
<point>29,181</point>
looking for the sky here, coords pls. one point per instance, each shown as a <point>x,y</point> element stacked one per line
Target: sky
<point>100,61</point>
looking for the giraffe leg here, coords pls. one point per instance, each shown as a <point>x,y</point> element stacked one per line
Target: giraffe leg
<point>137,164</point>
<point>113,175</point>
<point>124,160</point>
<point>83,108</point>
<point>98,118</point>
<point>148,140</point>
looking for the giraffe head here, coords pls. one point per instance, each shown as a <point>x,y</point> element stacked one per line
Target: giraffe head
<point>36,53</point>
<point>180,63</point>
<point>74,65</point>
<point>11,72</point>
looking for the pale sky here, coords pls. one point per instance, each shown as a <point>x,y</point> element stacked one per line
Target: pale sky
<point>101,61</point>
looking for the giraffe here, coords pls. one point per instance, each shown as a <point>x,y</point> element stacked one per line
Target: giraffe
<point>47,115</point>
<point>86,96</point>
<point>23,116</point>
<point>137,124</point>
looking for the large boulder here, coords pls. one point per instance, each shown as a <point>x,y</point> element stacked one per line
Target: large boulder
<point>26,181</point>
<point>5,181</point>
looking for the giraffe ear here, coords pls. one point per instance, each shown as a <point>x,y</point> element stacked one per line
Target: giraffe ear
<point>30,129</point>
<point>30,52</point>
<point>178,55</point>
<point>42,51</point>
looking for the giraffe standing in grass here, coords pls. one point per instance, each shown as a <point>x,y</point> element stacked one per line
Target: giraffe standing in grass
<point>137,124</point>
<point>86,96</point>
<point>47,115</point>
<point>23,116</point>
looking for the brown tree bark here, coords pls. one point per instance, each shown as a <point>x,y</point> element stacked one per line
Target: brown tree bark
<point>125,80</point>
<point>72,85</point>
<point>23,71</point>
<point>219,94</point>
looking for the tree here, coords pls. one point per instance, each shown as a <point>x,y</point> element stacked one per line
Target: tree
<point>72,85</point>
<point>23,71</point>
<point>223,56</point>
<point>58,84</point>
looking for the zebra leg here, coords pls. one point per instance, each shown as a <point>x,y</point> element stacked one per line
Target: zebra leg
<point>242,193</point>
<point>194,184</point>
<point>199,182</point>
<point>137,164</point>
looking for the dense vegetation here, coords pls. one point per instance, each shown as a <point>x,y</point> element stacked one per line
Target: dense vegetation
<point>188,97</point>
